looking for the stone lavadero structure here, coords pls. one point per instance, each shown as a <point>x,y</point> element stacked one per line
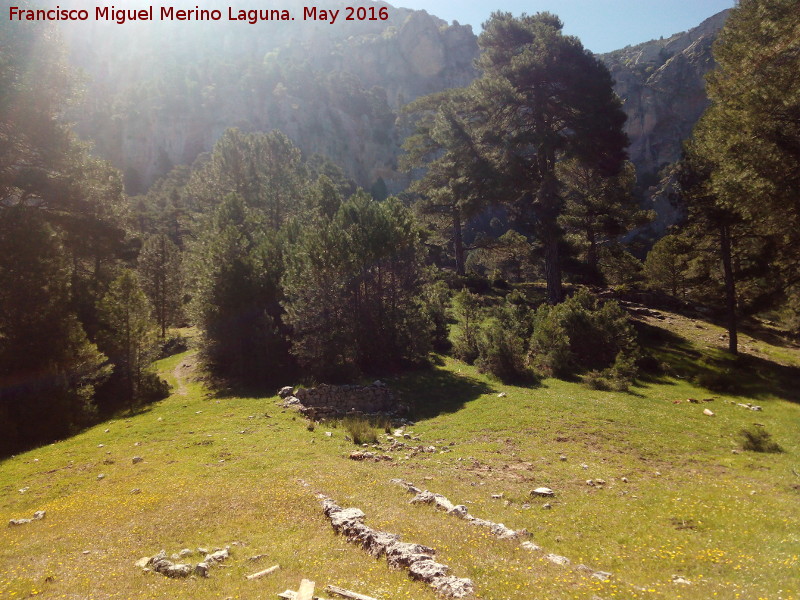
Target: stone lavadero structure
<point>330,401</point>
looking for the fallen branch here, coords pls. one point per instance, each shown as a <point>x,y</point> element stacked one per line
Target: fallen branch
<point>263,573</point>
<point>347,593</point>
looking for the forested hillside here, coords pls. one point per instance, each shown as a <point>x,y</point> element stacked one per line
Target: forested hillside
<point>283,243</point>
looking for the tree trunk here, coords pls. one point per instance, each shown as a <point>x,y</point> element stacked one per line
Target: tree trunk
<point>548,211</point>
<point>552,269</point>
<point>458,241</point>
<point>730,288</point>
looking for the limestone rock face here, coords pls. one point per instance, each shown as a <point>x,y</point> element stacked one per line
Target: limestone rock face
<point>662,86</point>
<point>333,90</point>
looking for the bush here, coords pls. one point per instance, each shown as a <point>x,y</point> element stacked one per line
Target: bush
<point>501,352</point>
<point>758,439</point>
<point>361,429</point>
<point>584,334</point>
<point>173,345</point>
<point>435,301</point>
<point>467,314</point>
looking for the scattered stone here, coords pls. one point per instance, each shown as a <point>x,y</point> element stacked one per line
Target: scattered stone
<point>160,564</point>
<point>502,395</point>
<point>602,575</point>
<point>584,466</point>
<point>693,401</point>
<point>286,391</point>
<point>547,506</point>
<point>416,558</point>
<point>218,556</point>
<point>680,580</point>
<point>328,434</point>
<point>543,492</point>
<point>708,413</point>
<point>525,506</point>
<point>497,496</point>
<point>531,546</point>
<point>101,445</point>
<point>23,490</point>
<point>624,480</point>
<point>257,557</point>
<point>136,459</point>
<point>101,476</point>
<point>442,503</point>
<point>37,516</point>
<point>562,458</point>
<point>136,491</point>
<point>86,552</point>
<point>557,560</point>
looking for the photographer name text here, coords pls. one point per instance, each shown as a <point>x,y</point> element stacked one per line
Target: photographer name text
<point>121,16</point>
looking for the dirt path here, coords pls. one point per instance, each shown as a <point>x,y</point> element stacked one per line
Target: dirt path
<point>184,372</point>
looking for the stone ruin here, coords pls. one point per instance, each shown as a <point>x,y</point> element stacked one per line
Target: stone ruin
<point>332,401</point>
<point>416,558</point>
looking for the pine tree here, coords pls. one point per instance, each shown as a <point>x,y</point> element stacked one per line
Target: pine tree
<point>236,266</point>
<point>160,273</point>
<point>547,99</point>
<point>48,367</point>
<point>128,333</point>
<point>743,165</point>
<point>598,208</point>
<point>352,290</point>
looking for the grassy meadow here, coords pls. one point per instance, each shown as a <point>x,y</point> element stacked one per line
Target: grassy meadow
<point>681,497</point>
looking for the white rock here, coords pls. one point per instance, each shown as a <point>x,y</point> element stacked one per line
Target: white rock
<point>543,491</point>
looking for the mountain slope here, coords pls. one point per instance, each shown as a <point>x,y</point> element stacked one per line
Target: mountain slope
<point>159,94</point>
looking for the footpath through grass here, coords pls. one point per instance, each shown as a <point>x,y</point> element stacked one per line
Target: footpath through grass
<point>218,470</point>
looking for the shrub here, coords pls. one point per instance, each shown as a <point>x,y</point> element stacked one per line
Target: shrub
<point>758,439</point>
<point>584,334</point>
<point>361,429</point>
<point>500,351</point>
<point>174,344</point>
<point>467,314</point>
<point>435,301</point>
<point>595,380</point>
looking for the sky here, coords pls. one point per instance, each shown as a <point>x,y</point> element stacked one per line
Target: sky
<point>602,25</point>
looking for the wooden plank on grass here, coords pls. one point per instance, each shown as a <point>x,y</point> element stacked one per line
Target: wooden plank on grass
<point>347,593</point>
<point>306,590</point>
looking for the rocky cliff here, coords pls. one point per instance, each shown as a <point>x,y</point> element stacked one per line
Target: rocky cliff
<point>159,94</point>
<point>662,85</point>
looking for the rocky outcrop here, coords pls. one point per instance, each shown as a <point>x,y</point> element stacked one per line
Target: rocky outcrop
<point>327,401</point>
<point>333,89</point>
<point>662,86</point>
<point>416,558</point>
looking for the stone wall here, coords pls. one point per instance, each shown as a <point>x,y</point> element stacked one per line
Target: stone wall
<point>336,400</point>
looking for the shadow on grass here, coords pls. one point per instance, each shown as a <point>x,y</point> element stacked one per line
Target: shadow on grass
<point>438,391</point>
<point>715,369</point>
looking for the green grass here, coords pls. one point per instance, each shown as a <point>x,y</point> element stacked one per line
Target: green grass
<point>223,469</point>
